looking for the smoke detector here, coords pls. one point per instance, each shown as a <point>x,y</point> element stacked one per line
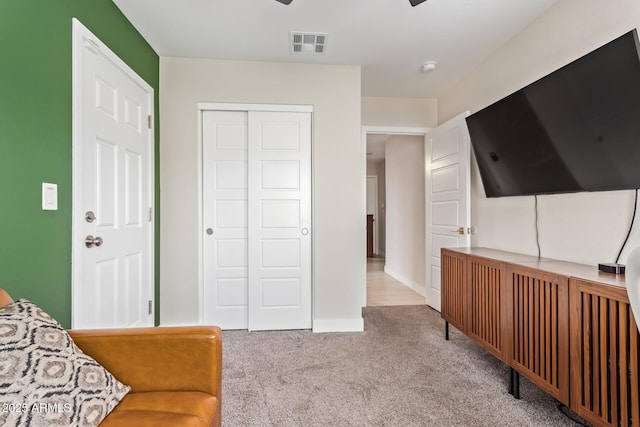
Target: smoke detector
<point>307,43</point>
<point>429,66</point>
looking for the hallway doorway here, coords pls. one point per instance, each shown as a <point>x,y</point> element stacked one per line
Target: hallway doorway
<point>383,289</point>
<point>395,158</point>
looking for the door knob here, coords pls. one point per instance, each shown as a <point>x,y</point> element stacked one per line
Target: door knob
<point>91,241</point>
<point>304,231</point>
<point>462,230</point>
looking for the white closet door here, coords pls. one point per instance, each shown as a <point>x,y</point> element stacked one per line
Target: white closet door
<point>257,219</point>
<point>279,220</point>
<point>224,154</point>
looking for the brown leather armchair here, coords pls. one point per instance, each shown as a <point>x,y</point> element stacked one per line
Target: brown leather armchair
<point>175,373</point>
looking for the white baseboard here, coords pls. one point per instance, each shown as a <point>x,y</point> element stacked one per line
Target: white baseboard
<point>173,324</point>
<point>406,281</point>
<point>319,325</point>
<point>338,325</point>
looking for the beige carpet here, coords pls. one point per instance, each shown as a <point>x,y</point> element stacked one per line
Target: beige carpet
<point>399,372</point>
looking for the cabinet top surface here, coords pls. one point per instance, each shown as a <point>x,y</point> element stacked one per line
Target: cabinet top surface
<point>564,268</point>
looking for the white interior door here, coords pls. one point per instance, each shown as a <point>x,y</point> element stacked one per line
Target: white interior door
<point>372,207</point>
<point>447,197</point>
<point>257,219</point>
<point>279,220</point>
<point>224,154</point>
<point>112,189</point>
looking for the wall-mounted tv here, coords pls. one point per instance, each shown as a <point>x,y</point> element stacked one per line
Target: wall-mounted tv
<point>576,129</point>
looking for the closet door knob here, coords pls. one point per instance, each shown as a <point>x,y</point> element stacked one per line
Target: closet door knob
<point>304,231</point>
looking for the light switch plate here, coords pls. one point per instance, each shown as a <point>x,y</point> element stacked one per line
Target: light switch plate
<point>49,196</point>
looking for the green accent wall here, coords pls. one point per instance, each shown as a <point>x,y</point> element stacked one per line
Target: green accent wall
<point>35,138</point>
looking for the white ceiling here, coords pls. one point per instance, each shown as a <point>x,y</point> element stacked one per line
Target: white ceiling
<point>390,39</point>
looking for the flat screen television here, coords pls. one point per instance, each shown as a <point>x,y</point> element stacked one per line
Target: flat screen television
<point>576,129</point>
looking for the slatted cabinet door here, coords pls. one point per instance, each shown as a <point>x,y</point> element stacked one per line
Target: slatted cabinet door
<point>453,287</point>
<point>605,349</point>
<point>486,311</point>
<point>538,335</point>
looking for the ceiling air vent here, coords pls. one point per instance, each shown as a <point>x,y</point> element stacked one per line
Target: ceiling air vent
<point>314,43</point>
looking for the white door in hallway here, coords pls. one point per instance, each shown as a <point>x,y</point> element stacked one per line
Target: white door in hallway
<point>112,189</point>
<point>372,209</point>
<point>257,219</point>
<point>447,189</point>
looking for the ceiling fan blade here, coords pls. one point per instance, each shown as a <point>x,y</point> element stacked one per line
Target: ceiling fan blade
<point>289,1</point>
<point>414,3</point>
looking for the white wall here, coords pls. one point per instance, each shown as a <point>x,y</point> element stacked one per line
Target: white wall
<point>405,221</point>
<point>338,233</point>
<point>399,112</point>
<point>372,168</point>
<point>584,227</point>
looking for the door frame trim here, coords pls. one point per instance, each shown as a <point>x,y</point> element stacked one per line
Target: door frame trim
<point>81,39</point>
<point>230,106</point>
<point>380,130</point>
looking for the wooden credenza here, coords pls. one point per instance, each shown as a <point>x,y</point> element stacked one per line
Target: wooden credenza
<point>566,327</point>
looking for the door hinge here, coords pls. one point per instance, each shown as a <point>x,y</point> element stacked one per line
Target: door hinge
<point>150,214</point>
<point>150,120</point>
<point>150,306</point>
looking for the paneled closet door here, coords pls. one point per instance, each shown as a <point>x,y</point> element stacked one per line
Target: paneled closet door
<point>224,154</point>
<point>279,220</point>
<point>257,219</point>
